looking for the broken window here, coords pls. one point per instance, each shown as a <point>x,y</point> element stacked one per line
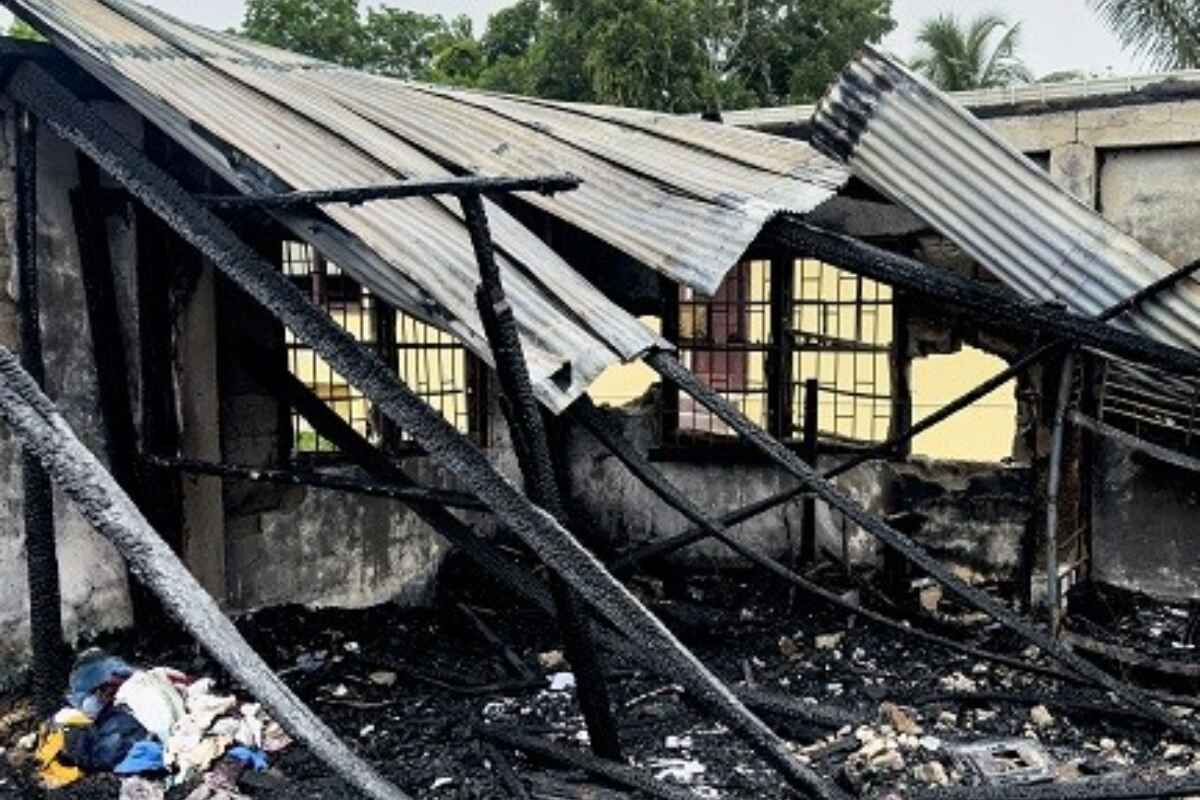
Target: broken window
<point>1151,404</point>
<point>431,362</point>
<point>833,327</point>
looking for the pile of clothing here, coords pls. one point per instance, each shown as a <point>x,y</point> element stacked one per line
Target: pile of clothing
<point>157,726</point>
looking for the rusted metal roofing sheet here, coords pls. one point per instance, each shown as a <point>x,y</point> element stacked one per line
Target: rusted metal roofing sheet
<point>912,143</point>
<point>681,196</point>
<point>246,119</point>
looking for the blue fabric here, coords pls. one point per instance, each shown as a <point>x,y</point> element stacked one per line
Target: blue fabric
<point>251,757</point>
<point>144,756</point>
<point>92,672</point>
<point>100,747</point>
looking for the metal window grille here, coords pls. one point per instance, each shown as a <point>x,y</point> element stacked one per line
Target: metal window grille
<point>433,363</point>
<point>834,326</point>
<point>1151,404</point>
<point>842,336</point>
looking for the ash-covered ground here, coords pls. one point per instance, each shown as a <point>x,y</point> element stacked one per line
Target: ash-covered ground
<point>410,690</point>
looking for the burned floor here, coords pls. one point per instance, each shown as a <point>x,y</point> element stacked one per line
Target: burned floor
<point>445,709</point>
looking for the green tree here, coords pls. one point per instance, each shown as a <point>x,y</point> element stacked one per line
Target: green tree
<point>511,31</point>
<point>327,29</point>
<point>23,30</point>
<point>1166,32</point>
<point>979,54</point>
<point>402,43</point>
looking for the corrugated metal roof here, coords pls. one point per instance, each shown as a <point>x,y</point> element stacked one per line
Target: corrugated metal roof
<point>1023,95</point>
<point>684,197</point>
<point>912,143</point>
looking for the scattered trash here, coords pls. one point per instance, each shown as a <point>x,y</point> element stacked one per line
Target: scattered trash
<point>829,641</point>
<point>1005,762</point>
<point>1040,717</point>
<point>552,660</point>
<point>158,727</point>
<point>382,678</point>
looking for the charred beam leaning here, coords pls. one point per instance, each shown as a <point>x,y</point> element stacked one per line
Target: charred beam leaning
<point>45,434</point>
<point>608,434</point>
<point>994,305</point>
<point>45,597</point>
<point>532,446</point>
<point>459,187</point>
<point>79,125</point>
<point>667,366</point>
<point>895,443</point>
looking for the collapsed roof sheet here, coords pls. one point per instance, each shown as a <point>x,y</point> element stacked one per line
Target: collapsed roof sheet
<point>908,140</point>
<point>684,197</point>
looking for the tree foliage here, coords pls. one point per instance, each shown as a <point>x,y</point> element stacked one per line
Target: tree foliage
<point>23,30</point>
<point>979,54</point>
<point>1166,32</point>
<point>671,55</point>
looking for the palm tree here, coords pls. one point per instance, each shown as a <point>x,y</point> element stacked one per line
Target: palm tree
<point>1166,32</point>
<point>982,54</point>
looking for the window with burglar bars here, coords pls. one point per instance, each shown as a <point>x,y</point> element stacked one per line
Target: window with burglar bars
<point>432,363</point>
<point>1151,404</point>
<point>834,326</point>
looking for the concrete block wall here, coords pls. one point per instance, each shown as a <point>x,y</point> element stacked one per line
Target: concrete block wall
<point>94,587</point>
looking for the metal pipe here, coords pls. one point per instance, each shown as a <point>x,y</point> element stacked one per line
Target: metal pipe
<point>45,594</point>
<point>532,446</point>
<point>79,125</point>
<point>1053,482</point>
<point>357,195</point>
<point>667,366</point>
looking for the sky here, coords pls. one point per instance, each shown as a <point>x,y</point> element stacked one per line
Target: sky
<point>1057,34</point>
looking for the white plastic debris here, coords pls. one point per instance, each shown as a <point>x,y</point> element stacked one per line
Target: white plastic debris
<point>562,681</point>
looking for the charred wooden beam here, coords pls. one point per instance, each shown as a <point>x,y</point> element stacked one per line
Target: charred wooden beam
<point>277,379</point>
<point>897,443</point>
<point>1053,482</point>
<point>667,366</point>
<point>609,435</point>
<point>45,596</point>
<point>80,126</point>
<point>532,445</point>
<point>320,480</point>
<point>49,439</point>
<point>993,305</point>
<point>357,195</point>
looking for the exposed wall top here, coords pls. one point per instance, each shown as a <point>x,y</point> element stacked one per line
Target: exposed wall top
<point>681,196</point>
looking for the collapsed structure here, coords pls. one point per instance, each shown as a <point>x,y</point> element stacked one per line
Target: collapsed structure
<point>254,226</point>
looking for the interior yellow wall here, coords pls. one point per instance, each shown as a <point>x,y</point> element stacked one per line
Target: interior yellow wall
<point>983,432</point>
<point>621,383</point>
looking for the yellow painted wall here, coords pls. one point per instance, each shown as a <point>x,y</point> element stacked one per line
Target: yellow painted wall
<point>983,432</point>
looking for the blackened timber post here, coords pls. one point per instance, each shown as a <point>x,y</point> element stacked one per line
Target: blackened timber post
<point>1053,483</point>
<point>779,357</point>
<point>45,596</point>
<point>808,529</point>
<point>532,447</point>
<point>901,370</point>
<point>668,393</point>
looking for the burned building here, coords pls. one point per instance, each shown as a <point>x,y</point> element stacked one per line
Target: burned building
<point>307,329</point>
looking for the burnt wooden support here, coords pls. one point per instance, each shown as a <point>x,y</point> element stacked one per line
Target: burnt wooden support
<point>779,356</point>
<point>808,525</point>
<point>108,344</point>
<point>1030,396</point>
<point>79,125</point>
<point>46,435</point>
<point>610,436</point>
<point>901,372</point>
<point>900,440</point>
<point>667,366</point>
<point>996,306</point>
<point>279,381</point>
<point>669,291</point>
<point>50,662</point>
<point>532,445</point>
